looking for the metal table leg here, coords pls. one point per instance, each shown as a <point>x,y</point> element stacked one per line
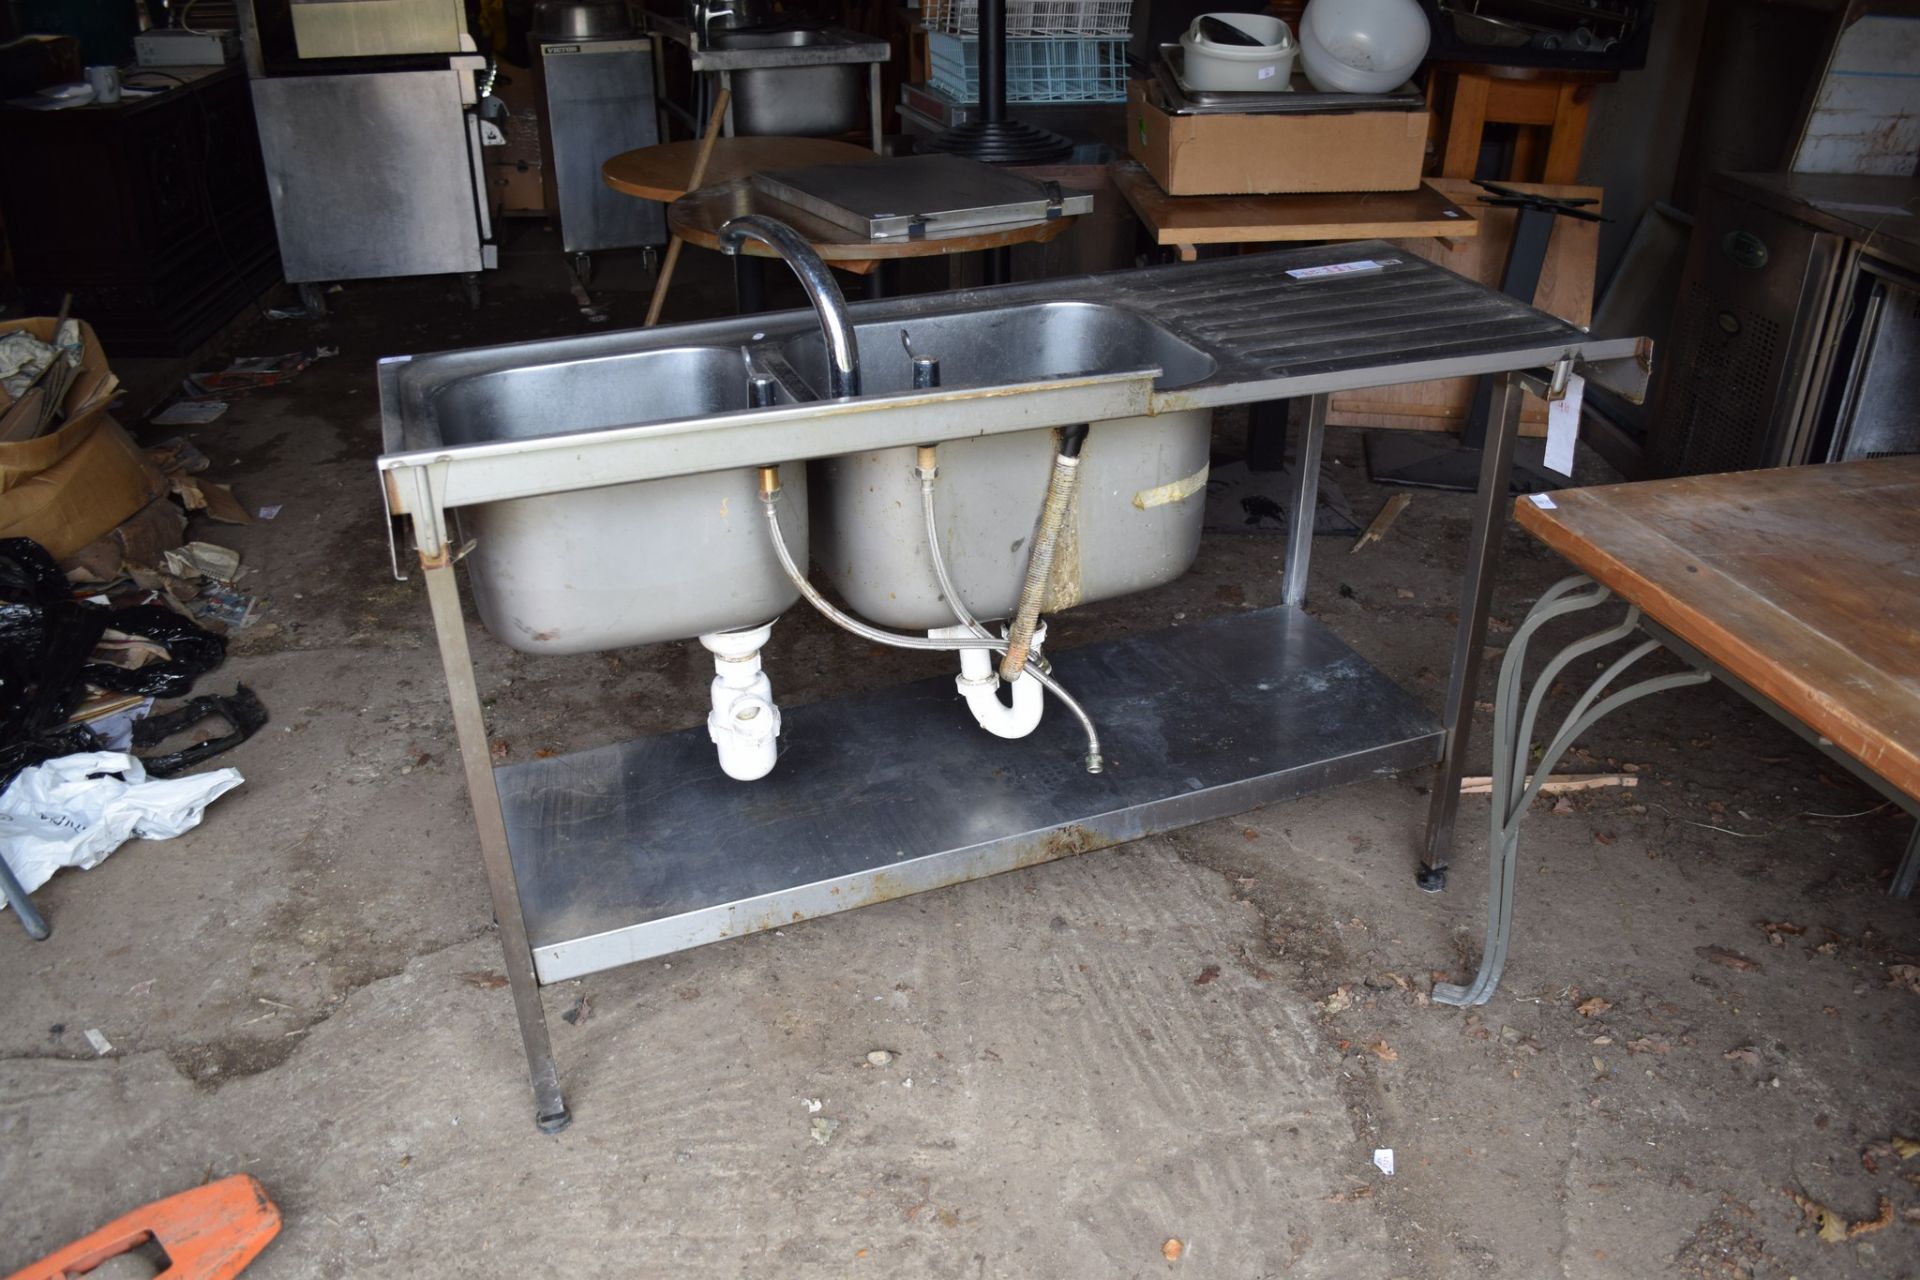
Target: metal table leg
<point>1476,593</point>
<point>469,726</point>
<point>1513,790</point>
<point>30,918</point>
<point>1909,869</point>
<point>1306,499</point>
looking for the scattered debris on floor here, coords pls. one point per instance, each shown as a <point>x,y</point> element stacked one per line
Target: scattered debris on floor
<point>1172,1249</point>
<point>1481,784</point>
<point>189,413</point>
<point>78,679</point>
<point>1836,1227</point>
<point>249,373</point>
<point>74,810</point>
<point>1383,523</point>
<point>1383,1160</point>
<point>240,711</point>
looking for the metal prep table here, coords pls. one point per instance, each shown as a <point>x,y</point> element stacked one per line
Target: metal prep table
<point>640,849</point>
<point>843,48</point>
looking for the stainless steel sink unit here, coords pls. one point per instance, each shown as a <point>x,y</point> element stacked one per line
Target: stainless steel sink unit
<point>794,80</point>
<point>616,445</point>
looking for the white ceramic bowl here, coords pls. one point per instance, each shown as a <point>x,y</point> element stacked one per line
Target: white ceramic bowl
<point>1362,46</point>
<point>1235,67</point>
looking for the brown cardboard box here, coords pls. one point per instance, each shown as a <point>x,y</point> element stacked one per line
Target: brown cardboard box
<point>1271,155</point>
<point>70,486</point>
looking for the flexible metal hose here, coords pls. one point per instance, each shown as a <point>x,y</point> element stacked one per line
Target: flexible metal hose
<point>1095,761</point>
<point>1061,482</point>
<point>770,503</point>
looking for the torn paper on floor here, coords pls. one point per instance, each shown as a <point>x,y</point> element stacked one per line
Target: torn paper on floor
<point>74,811</point>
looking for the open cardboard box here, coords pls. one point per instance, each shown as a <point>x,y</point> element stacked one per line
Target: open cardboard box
<point>1274,154</point>
<point>77,482</point>
<point>86,395</point>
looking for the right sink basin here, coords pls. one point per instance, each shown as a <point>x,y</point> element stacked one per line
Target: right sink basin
<point>1004,345</point>
<point>1135,522</point>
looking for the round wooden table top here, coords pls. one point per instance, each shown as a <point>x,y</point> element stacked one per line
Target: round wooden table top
<point>697,218</point>
<point>663,172</point>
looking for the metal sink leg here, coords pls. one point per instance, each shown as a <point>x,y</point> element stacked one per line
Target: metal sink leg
<point>1476,594</point>
<point>469,726</point>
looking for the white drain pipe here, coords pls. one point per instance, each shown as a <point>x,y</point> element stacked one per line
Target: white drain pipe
<point>744,723</point>
<point>979,684</point>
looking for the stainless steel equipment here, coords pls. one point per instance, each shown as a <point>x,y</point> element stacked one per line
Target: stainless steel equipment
<point>1789,280</point>
<point>375,174</point>
<point>789,79</point>
<point>1871,408</point>
<point>633,850</point>
<point>373,155</point>
<point>919,195</point>
<point>599,103</point>
<point>820,100</point>
<point>581,20</point>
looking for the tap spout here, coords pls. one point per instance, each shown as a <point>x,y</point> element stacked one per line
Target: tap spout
<point>843,352</point>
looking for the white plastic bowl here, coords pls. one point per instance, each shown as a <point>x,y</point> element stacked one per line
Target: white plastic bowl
<point>1362,46</point>
<point>1239,68</point>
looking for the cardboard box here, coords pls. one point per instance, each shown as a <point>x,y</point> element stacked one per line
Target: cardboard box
<point>71,486</point>
<point>1273,155</point>
<point>87,395</point>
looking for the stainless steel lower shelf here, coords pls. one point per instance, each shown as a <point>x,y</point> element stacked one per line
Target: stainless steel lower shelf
<point>645,848</point>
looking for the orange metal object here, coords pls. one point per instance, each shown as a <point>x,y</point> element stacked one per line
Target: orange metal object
<point>209,1233</point>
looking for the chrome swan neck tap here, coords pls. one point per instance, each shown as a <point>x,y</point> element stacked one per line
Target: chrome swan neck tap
<point>843,353</point>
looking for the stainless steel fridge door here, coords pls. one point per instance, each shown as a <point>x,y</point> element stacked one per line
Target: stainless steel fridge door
<point>1875,413</point>
<point>371,175</point>
<point>599,103</point>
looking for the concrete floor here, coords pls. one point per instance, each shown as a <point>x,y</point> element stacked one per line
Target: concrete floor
<point>1200,1037</point>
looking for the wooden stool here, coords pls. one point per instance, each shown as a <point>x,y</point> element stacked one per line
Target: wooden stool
<point>1549,104</point>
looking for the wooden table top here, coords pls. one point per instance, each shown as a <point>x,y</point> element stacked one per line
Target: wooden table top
<point>1804,582</point>
<point>1360,215</point>
<point>662,172</point>
<point>697,218</point>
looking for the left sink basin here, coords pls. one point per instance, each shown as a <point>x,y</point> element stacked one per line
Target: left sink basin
<point>624,564</point>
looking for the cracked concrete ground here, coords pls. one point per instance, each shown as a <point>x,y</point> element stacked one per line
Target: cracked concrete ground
<point>1201,1036</point>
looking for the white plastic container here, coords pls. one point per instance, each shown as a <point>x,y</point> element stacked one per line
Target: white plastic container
<point>1362,46</point>
<point>1212,68</point>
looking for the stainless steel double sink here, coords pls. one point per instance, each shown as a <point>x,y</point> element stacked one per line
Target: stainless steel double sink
<point>670,559</point>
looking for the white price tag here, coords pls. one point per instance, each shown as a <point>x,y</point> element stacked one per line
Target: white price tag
<point>1265,73</point>
<point>1563,426</point>
<point>1335,269</point>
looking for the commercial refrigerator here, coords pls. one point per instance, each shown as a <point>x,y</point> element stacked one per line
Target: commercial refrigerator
<point>599,102</point>
<point>1793,336</point>
<point>373,159</point>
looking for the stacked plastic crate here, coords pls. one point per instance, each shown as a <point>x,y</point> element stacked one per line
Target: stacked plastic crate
<point>1057,50</point>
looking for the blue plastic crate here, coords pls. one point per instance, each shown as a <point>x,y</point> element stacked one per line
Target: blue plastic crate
<point>1039,68</point>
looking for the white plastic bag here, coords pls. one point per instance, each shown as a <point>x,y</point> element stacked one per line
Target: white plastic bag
<point>59,814</point>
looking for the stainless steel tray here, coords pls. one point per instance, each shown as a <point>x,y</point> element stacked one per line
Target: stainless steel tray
<point>1301,99</point>
<point>919,196</point>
